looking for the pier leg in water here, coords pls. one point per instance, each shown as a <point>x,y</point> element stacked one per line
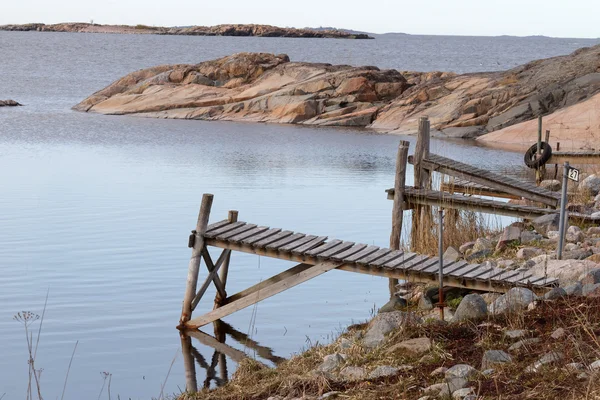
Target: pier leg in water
<point>398,207</point>
<point>231,217</point>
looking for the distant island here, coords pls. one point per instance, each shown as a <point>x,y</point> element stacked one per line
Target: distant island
<point>218,30</point>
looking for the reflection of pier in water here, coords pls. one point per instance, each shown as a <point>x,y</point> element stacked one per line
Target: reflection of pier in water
<point>191,355</point>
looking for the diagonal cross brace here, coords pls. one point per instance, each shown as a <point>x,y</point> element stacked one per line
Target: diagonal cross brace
<point>212,276</point>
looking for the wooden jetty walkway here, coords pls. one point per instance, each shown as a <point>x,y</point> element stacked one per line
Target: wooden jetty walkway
<point>455,185</point>
<point>317,255</point>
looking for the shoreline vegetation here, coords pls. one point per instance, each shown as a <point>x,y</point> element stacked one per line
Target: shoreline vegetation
<point>217,30</point>
<point>492,107</point>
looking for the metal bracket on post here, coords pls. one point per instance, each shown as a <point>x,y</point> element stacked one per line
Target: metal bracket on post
<point>563,212</point>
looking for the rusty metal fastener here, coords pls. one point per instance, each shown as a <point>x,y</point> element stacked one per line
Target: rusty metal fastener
<point>192,239</point>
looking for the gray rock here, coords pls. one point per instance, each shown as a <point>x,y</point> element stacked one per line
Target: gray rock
<point>345,343</point>
<point>547,359</point>
<point>9,103</point>
<point>510,235</point>
<point>590,289</point>
<point>452,385</point>
<point>434,389</point>
<point>555,293</point>
<point>461,371</point>
<point>575,289</point>
<point>558,333</point>
<point>476,255</point>
<point>571,247</point>
<point>472,306</point>
<point>506,264</point>
<point>515,299</point>
<point>492,358</point>
<point>529,252</point>
<point>466,246</point>
<point>591,184</point>
<point>574,235</point>
<point>594,230</point>
<point>331,362</point>
<point>487,372</point>
<point>451,254</point>
<point>425,303</point>
<point>594,366</point>
<point>552,184</point>
<point>416,346</point>
<point>523,344</point>
<point>482,244</point>
<point>384,323</point>
<point>489,298</point>
<point>528,237</point>
<point>573,367</point>
<point>590,277</point>
<point>395,304</point>
<point>383,371</point>
<point>460,394</point>
<point>546,223</point>
<point>580,254</point>
<point>516,333</point>
<point>353,373</point>
<point>330,396</point>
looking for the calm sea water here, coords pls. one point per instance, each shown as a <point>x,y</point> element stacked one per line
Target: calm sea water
<point>96,210</point>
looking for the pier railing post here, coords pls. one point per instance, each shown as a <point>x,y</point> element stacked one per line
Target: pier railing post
<point>564,216</point>
<point>422,180</point>
<point>232,217</point>
<point>398,207</point>
<point>194,264</point>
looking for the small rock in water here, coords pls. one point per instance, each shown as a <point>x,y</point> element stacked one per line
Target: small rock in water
<point>9,103</point>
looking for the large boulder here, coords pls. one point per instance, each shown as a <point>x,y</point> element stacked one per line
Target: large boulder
<point>591,184</point>
<point>567,271</point>
<point>546,223</point>
<point>511,235</point>
<point>515,299</point>
<point>385,323</point>
<point>472,306</point>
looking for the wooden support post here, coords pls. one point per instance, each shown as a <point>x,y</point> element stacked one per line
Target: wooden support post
<point>422,180</point>
<point>538,171</point>
<point>194,265</point>
<point>543,167</point>
<point>220,336</point>
<point>398,208</point>
<point>231,217</point>
<point>191,384</point>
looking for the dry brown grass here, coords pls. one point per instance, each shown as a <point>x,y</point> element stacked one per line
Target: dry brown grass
<point>453,344</point>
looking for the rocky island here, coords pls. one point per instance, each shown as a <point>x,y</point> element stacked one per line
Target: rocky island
<point>218,30</point>
<point>270,88</point>
<point>9,103</point>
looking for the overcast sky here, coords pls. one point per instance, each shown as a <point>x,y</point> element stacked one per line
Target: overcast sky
<point>559,18</point>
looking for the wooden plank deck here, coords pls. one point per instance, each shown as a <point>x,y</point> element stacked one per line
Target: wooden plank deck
<point>488,179</point>
<point>575,157</point>
<point>414,196</point>
<point>455,185</point>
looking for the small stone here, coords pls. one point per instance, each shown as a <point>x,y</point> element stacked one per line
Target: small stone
<point>395,304</point>
<point>384,323</point>
<point>510,235</point>
<point>558,333</point>
<point>594,230</point>
<point>451,254</point>
<point>330,396</point>
<point>546,223</point>
<point>513,300</point>
<point>528,237</point>
<point>582,376</point>
<point>413,346</point>
<point>476,255</point>
<point>574,235</point>
<point>487,372</point>
<point>590,277</point>
<point>482,244</point>
<point>548,358</point>
<point>383,371</point>
<point>555,293</point>
<point>595,365</point>
<point>590,185</point>
<point>523,343</point>
<point>516,333</point>
<point>571,246</point>
<point>331,362</point>
<point>553,235</point>
<point>439,371</point>
<point>452,385</point>
<point>461,371</point>
<point>526,253</point>
<point>434,389</point>
<point>591,290</point>
<point>551,184</point>
<point>574,367</point>
<point>345,343</point>
<point>575,289</point>
<point>460,394</point>
<point>466,246</point>
<point>353,373</point>
<point>425,303</point>
<point>494,357</point>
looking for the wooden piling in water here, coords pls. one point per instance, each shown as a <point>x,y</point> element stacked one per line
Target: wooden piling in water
<point>194,265</point>
<point>398,207</point>
<point>422,180</point>
<point>232,217</point>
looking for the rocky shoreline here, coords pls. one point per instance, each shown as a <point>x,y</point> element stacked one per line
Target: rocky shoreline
<point>218,30</point>
<point>262,87</point>
<point>9,103</point>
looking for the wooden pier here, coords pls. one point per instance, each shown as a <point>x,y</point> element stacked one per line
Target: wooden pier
<point>317,255</point>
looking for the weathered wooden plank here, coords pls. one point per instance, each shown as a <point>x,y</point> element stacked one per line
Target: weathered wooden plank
<point>260,295</point>
<point>224,229</point>
<point>459,273</point>
<point>241,229</point>
<point>515,279</point>
<point>256,238</point>
<point>285,241</point>
<point>217,225</point>
<point>248,234</point>
<point>297,243</point>
<point>434,267</point>
<point>431,263</point>
<point>405,257</point>
<point>388,258</point>
<point>483,269</point>
<point>351,251</point>
<point>414,262</point>
<point>505,275</point>
<point>310,245</point>
<point>373,257</point>
<point>335,250</point>
<point>361,254</point>
<point>326,246</point>
<point>267,241</point>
